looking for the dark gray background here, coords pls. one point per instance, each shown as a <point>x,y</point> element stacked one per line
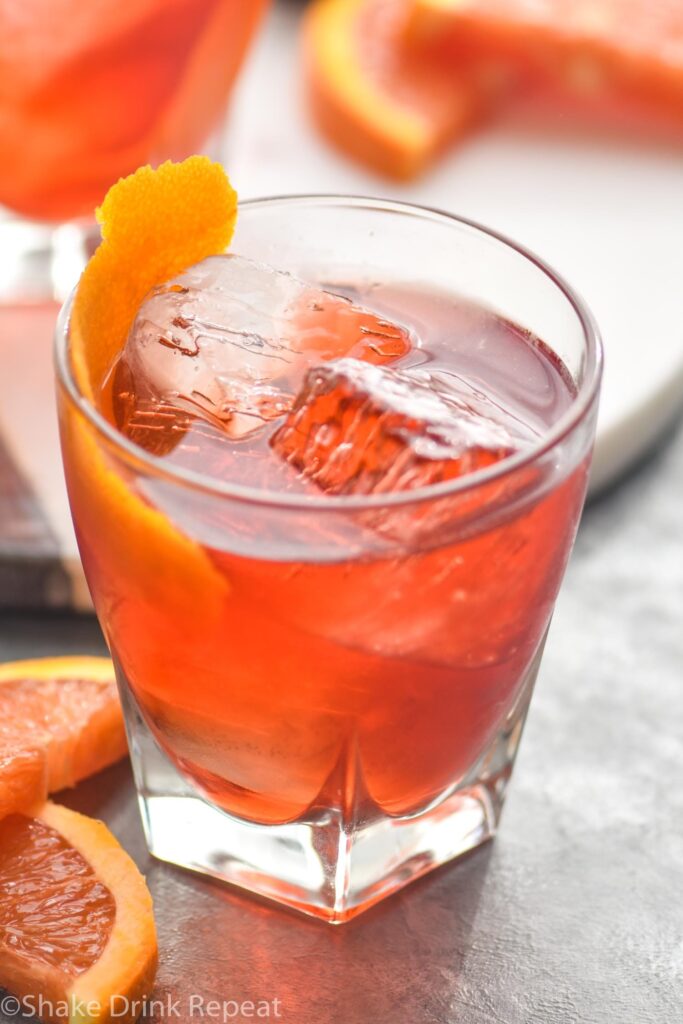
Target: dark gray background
<point>574,913</point>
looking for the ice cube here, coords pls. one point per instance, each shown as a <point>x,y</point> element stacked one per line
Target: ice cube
<point>229,341</point>
<point>362,429</point>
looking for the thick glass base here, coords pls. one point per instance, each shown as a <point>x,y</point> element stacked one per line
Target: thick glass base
<point>314,865</point>
<point>326,864</point>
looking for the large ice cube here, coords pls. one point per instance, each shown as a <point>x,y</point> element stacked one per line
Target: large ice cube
<point>229,340</point>
<point>362,429</point>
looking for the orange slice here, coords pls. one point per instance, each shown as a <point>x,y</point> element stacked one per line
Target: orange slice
<point>60,721</point>
<point>373,96</point>
<point>619,58</point>
<point>77,935</point>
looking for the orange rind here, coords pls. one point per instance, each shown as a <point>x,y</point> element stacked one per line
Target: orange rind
<point>155,224</point>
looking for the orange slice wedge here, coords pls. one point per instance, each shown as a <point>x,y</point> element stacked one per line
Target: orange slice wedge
<point>60,721</point>
<point>77,936</point>
<point>374,96</point>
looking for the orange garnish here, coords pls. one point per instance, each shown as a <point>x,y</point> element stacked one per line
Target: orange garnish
<point>76,922</point>
<point>60,721</point>
<point>155,223</point>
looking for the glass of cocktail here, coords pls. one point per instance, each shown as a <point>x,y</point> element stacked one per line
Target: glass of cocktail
<point>324,537</point>
<point>88,92</point>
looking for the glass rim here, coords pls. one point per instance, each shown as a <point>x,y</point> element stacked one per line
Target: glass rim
<point>201,482</point>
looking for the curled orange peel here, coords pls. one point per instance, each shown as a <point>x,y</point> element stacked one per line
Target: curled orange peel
<point>155,224</point>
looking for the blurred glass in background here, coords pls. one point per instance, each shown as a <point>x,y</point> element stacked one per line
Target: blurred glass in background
<point>89,91</point>
<point>92,89</point>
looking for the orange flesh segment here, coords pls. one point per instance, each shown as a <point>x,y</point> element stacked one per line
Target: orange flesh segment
<point>373,96</point>
<point>63,716</point>
<point>23,779</point>
<point>53,909</point>
<point>623,56</point>
<point>155,223</point>
<point>60,721</point>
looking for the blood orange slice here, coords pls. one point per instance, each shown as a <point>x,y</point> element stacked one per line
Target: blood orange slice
<point>60,721</point>
<point>77,935</point>
<point>619,59</point>
<point>375,97</point>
